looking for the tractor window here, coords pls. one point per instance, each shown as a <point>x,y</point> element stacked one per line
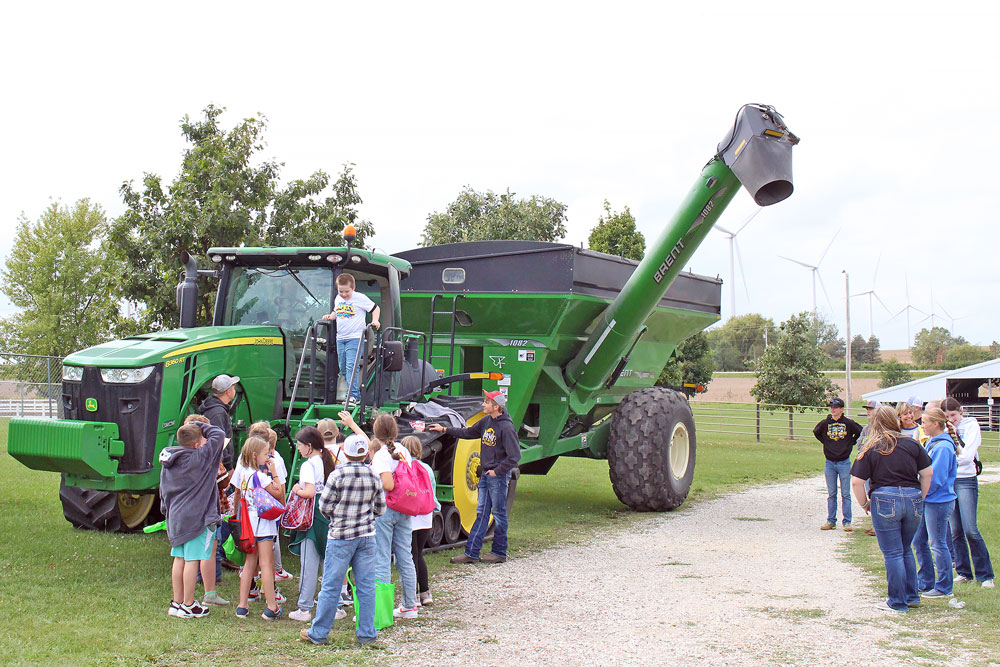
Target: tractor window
<point>291,298</point>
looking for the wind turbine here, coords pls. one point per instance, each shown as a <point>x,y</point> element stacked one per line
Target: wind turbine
<point>815,273</point>
<point>871,293</point>
<point>907,309</point>
<point>734,248</point>
<point>953,319</point>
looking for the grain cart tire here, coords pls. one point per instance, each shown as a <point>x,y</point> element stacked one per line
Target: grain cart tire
<point>437,531</point>
<point>90,509</point>
<point>452,524</point>
<point>651,450</point>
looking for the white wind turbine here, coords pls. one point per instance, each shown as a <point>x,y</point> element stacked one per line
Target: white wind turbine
<point>953,319</point>
<point>734,249</point>
<point>907,309</point>
<point>815,273</point>
<point>871,294</point>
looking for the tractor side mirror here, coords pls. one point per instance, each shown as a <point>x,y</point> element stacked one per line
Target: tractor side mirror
<point>392,355</point>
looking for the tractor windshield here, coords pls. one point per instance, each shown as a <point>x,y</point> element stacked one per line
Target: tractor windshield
<point>291,298</point>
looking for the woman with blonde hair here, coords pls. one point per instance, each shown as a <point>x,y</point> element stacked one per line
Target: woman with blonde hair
<point>932,536</point>
<point>900,474</point>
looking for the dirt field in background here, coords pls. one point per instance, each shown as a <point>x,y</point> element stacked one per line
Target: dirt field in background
<point>737,389</point>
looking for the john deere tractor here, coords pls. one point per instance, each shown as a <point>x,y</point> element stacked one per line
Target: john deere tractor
<point>574,338</point>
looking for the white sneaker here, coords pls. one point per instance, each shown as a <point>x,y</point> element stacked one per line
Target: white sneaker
<point>300,615</point>
<point>401,612</point>
<point>281,574</point>
<point>340,614</point>
<point>989,584</point>
<point>175,609</point>
<point>425,599</point>
<point>278,597</point>
<point>345,600</point>
<point>962,579</point>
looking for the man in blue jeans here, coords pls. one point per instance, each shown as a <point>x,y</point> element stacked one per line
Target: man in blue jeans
<point>351,499</point>
<point>499,453</point>
<point>839,434</point>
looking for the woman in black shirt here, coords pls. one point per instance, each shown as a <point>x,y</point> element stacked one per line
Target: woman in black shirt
<point>900,474</point>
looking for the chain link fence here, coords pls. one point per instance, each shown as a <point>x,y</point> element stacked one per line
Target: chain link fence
<point>30,385</point>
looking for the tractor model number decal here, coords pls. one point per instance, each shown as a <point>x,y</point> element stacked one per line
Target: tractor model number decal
<point>517,342</point>
<point>90,404</point>
<point>171,362</point>
<point>669,261</point>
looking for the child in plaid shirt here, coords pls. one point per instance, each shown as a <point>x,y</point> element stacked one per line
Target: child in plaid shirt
<point>352,498</point>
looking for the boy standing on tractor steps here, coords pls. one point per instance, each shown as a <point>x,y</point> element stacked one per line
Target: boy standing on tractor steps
<point>190,501</point>
<point>499,453</point>
<point>838,433</point>
<point>349,310</point>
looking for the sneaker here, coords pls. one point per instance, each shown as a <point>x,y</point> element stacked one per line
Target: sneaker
<point>401,612</point>
<point>194,610</point>
<point>340,614</point>
<point>281,574</point>
<point>464,558</point>
<point>270,615</point>
<point>848,528</point>
<point>828,526</point>
<point>885,607</point>
<point>988,584</point>
<point>913,605</point>
<point>242,612</point>
<point>254,594</point>
<point>425,599</point>
<point>304,636</point>
<point>962,579</point>
<point>278,597</point>
<point>493,558</point>
<point>213,597</point>
<point>174,609</point>
<point>303,615</point>
<point>345,600</point>
<point>935,593</point>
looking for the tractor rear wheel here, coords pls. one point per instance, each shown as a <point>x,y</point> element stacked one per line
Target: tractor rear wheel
<point>109,511</point>
<point>651,450</point>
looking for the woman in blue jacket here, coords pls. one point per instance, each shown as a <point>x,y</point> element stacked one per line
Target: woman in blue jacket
<point>932,536</point>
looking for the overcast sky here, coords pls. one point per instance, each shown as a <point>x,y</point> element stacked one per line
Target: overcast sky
<point>581,102</point>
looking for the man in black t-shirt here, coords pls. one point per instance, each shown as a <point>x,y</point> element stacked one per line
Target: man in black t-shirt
<point>838,434</point>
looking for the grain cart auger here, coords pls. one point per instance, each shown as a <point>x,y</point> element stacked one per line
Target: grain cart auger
<point>575,338</point>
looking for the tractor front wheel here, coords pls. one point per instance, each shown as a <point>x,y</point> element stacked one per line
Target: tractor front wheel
<point>651,450</point>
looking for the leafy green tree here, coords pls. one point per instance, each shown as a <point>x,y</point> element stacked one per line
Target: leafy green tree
<point>224,195</point>
<point>476,216</point>
<point>994,350</point>
<point>740,340</point>
<point>616,234</point>
<point>894,373</point>
<point>930,345</point>
<point>865,351</point>
<point>789,371</point>
<point>827,336</point>
<point>958,356</point>
<point>61,279</point>
<point>692,364</point>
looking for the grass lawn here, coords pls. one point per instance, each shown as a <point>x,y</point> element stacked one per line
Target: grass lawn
<point>83,598</point>
<point>934,628</point>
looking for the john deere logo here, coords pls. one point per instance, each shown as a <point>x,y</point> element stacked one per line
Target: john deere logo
<point>91,405</point>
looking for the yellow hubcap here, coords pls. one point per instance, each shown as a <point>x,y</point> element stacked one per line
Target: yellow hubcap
<point>135,507</point>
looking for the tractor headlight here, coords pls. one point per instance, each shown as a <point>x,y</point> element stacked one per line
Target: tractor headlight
<point>73,373</point>
<point>126,375</point>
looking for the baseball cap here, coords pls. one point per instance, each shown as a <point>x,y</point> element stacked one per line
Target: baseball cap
<point>223,382</point>
<point>915,401</point>
<point>497,397</point>
<point>837,403</point>
<point>328,429</point>
<point>872,404</point>
<point>355,445</point>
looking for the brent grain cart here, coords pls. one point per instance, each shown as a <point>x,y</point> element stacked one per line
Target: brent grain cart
<point>575,338</point>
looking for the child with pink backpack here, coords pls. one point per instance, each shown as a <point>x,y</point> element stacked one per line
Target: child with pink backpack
<point>421,523</point>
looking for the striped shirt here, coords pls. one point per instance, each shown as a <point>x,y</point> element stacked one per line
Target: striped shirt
<point>351,499</point>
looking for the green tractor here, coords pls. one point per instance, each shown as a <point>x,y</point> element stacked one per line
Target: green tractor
<point>574,338</point>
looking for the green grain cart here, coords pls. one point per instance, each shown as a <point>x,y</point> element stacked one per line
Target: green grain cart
<point>575,338</point>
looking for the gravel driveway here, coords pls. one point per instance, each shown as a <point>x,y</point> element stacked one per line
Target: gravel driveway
<point>748,579</point>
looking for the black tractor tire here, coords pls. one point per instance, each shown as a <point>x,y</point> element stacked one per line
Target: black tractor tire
<point>437,531</point>
<point>90,509</point>
<point>651,450</point>
<point>452,524</point>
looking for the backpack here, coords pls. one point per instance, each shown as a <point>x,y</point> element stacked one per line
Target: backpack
<point>411,493</point>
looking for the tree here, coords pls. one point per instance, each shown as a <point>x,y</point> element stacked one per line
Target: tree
<point>740,340</point>
<point>827,336</point>
<point>475,216</point>
<point>893,373</point>
<point>693,363</point>
<point>930,345</point>
<point>958,356</point>
<point>788,373</point>
<point>60,278</point>
<point>224,195</point>
<point>865,351</point>
<point>616,234</point>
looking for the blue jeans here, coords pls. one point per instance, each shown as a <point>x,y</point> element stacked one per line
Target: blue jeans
<point>492,499</point>
<point>964,528</point>
<point>347,352</point>
<point>932,538</point>
<point>393,535</point>
<point>838,470</point>
<point>358,553</point>
<point>896,514</point>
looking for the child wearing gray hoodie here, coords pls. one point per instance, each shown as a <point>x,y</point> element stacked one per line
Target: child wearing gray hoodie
<point>190,501</point>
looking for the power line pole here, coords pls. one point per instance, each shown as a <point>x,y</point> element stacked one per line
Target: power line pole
<point>847,335</point>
